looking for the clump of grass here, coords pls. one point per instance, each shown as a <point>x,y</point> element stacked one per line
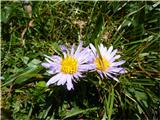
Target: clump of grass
<point>132,27</point>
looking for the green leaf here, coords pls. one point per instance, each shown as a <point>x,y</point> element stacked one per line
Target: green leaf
<point>41,84</point>
<point>76,111</point>
<point>19,91</point>
<point>6,13</point>
<point>111,104</point>
<point>98,29</point>
<point>24,75</point>
<point>34,63</point>
<point>33,72</point>
<point>25,59</point>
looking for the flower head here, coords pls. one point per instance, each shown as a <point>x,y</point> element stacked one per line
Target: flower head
<point>104,62</point>
<point>70,67</point>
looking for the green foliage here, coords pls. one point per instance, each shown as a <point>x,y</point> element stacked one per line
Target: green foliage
<point>132,27</point>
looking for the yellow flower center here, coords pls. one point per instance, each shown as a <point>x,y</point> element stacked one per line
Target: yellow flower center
<point>69,65</point>
<point>101,63</point>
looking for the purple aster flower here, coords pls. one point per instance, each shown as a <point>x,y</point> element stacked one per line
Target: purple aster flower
<point>69,68</point>
<point>104,62</point>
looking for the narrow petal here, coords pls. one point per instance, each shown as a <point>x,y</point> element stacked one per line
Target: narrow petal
<point>122,71</point>
<point>77,75</point>
<point>53,67</point>
<point>114,78</point>
<point>79,48</point>
<point>52,59</point>
<point>69,83</point>
<point>114,58</point>
<point>49,58</point>
<point>118,63</point>
<point>103,50</point>
<point>72,49</point>
<point>115,69</point>
<point>107,54</point>
<point>93,49</point>
<point>63,79</point>
<point>64,54</point>
<point>101,74</point>
<point>84,55</point>
<point>113,53</point>
<point>86,67</point>
<point>46,65</point>
<point>56,58</point>
<point>54,79</point>
<point>63,48</point>
<point>50,72</point>
<point>101,45</point>
<point>110,50</point>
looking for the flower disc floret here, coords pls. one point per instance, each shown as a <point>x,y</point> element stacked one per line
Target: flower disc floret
<point>69,65</point>
<point>101,63</point>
